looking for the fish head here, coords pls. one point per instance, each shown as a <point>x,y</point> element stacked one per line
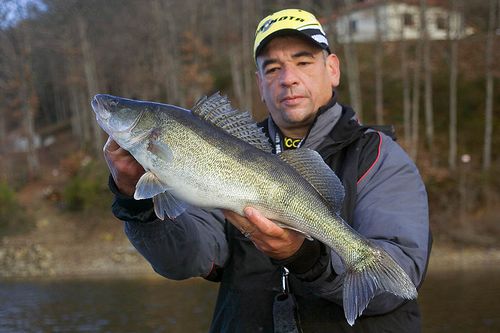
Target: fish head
<point>121,118</point>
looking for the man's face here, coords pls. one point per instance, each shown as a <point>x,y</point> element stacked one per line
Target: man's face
<point>295,78</point>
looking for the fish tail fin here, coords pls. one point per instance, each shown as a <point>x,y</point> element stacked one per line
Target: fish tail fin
<point>363,281</point>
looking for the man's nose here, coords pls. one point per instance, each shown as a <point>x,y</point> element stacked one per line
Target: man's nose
<point>288,76</point>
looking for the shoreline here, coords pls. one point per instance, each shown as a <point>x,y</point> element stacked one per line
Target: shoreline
<point>118,259</point>
<point>451,257</point>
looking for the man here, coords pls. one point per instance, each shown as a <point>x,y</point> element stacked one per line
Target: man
<point>385,201</point>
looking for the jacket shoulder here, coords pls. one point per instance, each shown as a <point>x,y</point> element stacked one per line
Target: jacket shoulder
<point>369,147</point>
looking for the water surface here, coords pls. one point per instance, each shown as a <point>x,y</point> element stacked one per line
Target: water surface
<point>458,301</point>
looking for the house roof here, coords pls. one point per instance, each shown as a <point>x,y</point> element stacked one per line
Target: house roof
<point>372,3</point>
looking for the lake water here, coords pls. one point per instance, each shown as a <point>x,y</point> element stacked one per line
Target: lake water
<point>450,302</point>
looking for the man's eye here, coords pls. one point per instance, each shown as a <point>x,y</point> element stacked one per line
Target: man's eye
<point>271,70</point>
<point>304,63</point>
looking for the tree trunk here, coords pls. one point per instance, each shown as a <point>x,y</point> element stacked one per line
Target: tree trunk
<point>379,55</point>
<point>168,50</point>
<point>405,78</point>
<point>453,38</point>
<point>351,59</point>
<point>29,102</point>
<point>488,114</point>
<point>4,160</point>
<point>415,107</point>
<point>247,54</point>
<point>91,81</point>
<point>235,52</point>
<point>427,68</point>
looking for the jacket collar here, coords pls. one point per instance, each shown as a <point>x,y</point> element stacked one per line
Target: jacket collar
<point>333,121</point>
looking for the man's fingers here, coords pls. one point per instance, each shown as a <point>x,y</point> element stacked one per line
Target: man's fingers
<point>263,224</point>
<point>110,145</point>
<point>252,222</point>
<point>239,221</point>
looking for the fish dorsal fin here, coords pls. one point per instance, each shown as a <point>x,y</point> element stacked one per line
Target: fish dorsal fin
<point>218,111</point>
<point>309,164</point>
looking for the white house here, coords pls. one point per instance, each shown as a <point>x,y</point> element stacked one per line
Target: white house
<point>398,20</point>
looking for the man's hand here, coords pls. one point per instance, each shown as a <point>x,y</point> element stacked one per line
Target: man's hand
<point>276,242</point>
<point>124,169</point>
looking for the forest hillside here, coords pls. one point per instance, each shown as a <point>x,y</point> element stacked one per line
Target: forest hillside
<point>439,89</point>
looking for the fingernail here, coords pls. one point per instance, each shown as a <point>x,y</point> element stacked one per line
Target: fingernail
<point>248,211</point>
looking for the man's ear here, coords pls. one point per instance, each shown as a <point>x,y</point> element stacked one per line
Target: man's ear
<point>258,79</point>
<point>333,67</point>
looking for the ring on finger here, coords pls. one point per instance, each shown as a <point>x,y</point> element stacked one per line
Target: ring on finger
<point>246,233</point>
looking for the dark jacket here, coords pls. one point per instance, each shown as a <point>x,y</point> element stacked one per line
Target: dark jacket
<point>385,201</point>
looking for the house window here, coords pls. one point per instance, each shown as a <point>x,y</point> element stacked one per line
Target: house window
<point>353,26</point>
<point>408,20</point>
<point>441,23</point>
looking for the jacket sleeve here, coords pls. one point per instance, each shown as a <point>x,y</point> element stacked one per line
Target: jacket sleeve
<point>392,212</point>
<point>192,245</point>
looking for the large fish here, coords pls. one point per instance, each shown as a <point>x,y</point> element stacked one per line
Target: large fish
<point>216,157</point>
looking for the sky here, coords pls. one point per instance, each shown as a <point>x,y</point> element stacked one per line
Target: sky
<point>16,10</point>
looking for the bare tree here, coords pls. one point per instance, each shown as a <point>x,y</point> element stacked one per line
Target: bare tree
<point>17,81</point>
<point>167,64</point>
<point>453,38</point>
<point>488,113</point>
<point>352,66</point>
<point>379,71</point>
<point>427,68</point>
<point>415,103</point>
<point>247,33</point>
<point>29,101</point>
<point>4,46</point>
<point>405,78</point>
<point>91,79</point>
<point>240,51</point>
<point>80,123</point>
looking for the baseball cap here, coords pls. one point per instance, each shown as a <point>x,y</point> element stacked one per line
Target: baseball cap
<point>286,22</point>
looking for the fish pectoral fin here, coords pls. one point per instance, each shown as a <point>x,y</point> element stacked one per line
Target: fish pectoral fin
<point>161,150</point>
<point>148,186</point>
<point>284,226</point>
<point>167,205</point>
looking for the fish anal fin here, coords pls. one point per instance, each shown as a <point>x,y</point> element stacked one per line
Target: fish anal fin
<point>166,205</point>
<point>309,164</point>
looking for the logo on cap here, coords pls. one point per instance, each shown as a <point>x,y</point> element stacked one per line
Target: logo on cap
<point>270,22</point>
<point>266,25</point>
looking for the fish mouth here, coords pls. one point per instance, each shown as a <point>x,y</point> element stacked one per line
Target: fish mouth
<point>101,114</point>
<point>100,111</point>
<point>101,105</point>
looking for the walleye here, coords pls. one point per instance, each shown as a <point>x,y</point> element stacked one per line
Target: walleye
<point>217,157</point>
